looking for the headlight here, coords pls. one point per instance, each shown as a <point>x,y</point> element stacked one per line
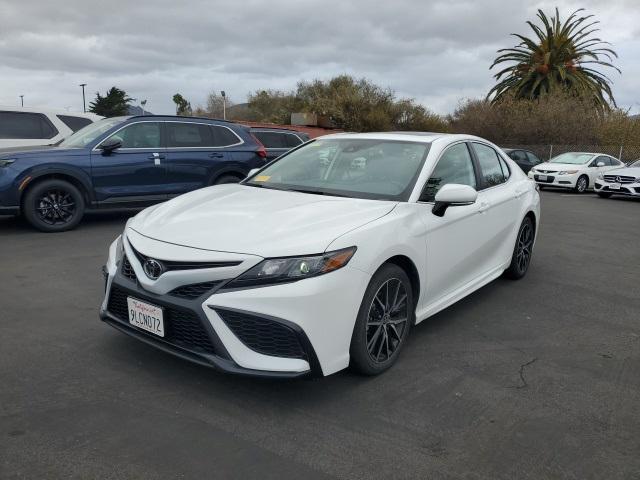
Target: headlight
<point>5,162</point>
<point>638,180</point>
<point>568,172</point>
<point>290,269</point>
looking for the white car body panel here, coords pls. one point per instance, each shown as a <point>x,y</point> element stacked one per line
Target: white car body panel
<point>452,255</point>
<point>52,115</point>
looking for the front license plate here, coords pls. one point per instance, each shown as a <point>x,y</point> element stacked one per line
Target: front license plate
<point>542,178</point>
<point>146,316</point>
<point>614,186</point>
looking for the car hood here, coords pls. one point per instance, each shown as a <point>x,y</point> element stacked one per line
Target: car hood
<point>27,152</point>
<point>559,166</point>
<point>630,171</point>
<point>258,221</point>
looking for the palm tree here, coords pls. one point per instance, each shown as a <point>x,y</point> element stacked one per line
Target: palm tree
<point>562,56</point>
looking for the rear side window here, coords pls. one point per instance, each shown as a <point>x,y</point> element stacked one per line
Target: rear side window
<point>25,125</point>
<point>455,166</point>
<point>74,123</point>
<point>223,136</point>
<point>518,155</point>
<point>533,159</point>
<point>188,135</point>
<point>292,140</point>
<point>490,166</point>
<point>272,139</point>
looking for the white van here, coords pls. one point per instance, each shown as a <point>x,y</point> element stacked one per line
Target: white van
<point>24,127</point>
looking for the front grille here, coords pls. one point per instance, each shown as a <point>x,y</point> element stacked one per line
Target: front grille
<point>623,179</point>
<point>127,269</point>
<point>194,290</point>
<point>177,265</point>
<point>182,327</point>
<point>263,335</point>
<point>546,171</point>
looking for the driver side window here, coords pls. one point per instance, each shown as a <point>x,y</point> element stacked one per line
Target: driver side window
<point>139,135</point>
<point>455,166</point>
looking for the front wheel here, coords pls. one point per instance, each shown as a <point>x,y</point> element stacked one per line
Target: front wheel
<point>384,320</point>
<point>582,184</point>
<point>53,206</point>
<point>522,251</point>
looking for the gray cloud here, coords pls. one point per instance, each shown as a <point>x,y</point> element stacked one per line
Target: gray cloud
<point>436,51</point>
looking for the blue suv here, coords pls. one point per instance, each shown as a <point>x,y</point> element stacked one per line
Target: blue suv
<point>124,162</point>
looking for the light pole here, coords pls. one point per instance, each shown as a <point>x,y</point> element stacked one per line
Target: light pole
<point>84,105</point>
<point>22,100</point>
<point>224,105</point>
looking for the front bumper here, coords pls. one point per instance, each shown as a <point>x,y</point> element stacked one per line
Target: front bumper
<point>554,180</point>
<point>629,189</point>
<point>287,330</point>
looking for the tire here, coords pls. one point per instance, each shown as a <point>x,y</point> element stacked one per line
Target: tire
<point>53,206</point>
<point>226,179</point>
<point>604,194</point>
<point>522,251</point>
<point>581,184</point>
<point>384,321</point>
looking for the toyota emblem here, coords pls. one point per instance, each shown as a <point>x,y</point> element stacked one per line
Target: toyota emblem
<point>152,268</point>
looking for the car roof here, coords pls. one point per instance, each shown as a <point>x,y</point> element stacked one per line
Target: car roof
<point>49,111</point>
<point>276,130</point>
<point>422,137</point>
<point>184,117</point>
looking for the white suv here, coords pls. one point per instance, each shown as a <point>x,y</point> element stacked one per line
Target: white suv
<point>25,127</point>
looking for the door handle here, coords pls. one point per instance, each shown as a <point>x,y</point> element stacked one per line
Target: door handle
<point>156,157</point>
<point>484,206</point>
<point>216,155</point>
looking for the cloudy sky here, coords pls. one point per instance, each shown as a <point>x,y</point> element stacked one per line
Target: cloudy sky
<point>435,51</point>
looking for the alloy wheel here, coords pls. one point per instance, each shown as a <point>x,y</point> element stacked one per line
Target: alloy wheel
<point>387,320</point>
<point>524,246</point>
<point>582,184</point>
<point>55,207</point>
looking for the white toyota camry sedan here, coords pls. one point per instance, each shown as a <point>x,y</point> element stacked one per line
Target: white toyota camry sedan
<point>324,258</point>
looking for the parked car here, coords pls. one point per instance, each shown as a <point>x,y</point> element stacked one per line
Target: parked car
<point>575,170</point>
<point>524,158</point>
<point>621,181</point>
<point>124,162</point>
<point>279,140</point>
<point>24,127</point>
<point>308,266</point>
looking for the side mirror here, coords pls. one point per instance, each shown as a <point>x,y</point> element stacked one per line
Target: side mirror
<point>453,195</point>
<point>109,145</point>
<point>600,164</point>
<point>252,172</point>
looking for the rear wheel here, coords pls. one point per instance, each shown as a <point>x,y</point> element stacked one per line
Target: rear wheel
<point>582,184</point>
<point>384,321</point>
<point>522,251</point>
<point>604,194</point>
<point>53,206</point>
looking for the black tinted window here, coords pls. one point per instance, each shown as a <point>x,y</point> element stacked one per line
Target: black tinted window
<point>188,135</point>
<point>533,159</point>
<point>223,137</point>
<point>292,140</point>
<point>74,123</point>
<point>272,139</point>
<point>455,166</point>
<point>490,167</point>
<point>26,125</point>
<point>139,135</point>
<point>518,155</point>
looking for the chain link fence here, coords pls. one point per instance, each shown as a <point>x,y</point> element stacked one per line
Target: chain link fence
<point>626,153</point>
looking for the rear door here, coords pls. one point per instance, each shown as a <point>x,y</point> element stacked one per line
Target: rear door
<point>134,173</point>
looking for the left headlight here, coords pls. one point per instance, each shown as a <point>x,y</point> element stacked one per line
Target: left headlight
<point>567,172</point>
<point>290,269</point>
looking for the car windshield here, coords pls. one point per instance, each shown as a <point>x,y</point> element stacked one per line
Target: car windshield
<point>572,158</point>
<point>88,134</point>
<point>635,164</point>
<point>359,168</point>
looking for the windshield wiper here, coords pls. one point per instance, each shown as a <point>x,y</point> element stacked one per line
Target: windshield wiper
<point>315,192</point>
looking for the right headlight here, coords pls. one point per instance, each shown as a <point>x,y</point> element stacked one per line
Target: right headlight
<point>289,269</point>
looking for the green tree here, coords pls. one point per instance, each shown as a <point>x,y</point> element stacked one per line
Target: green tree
<point>560,56</point>
<point>183,107</point>
<point>114,104</point>
<point>274,106</point>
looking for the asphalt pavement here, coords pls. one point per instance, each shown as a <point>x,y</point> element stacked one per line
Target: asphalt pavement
<point>533,379</point>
